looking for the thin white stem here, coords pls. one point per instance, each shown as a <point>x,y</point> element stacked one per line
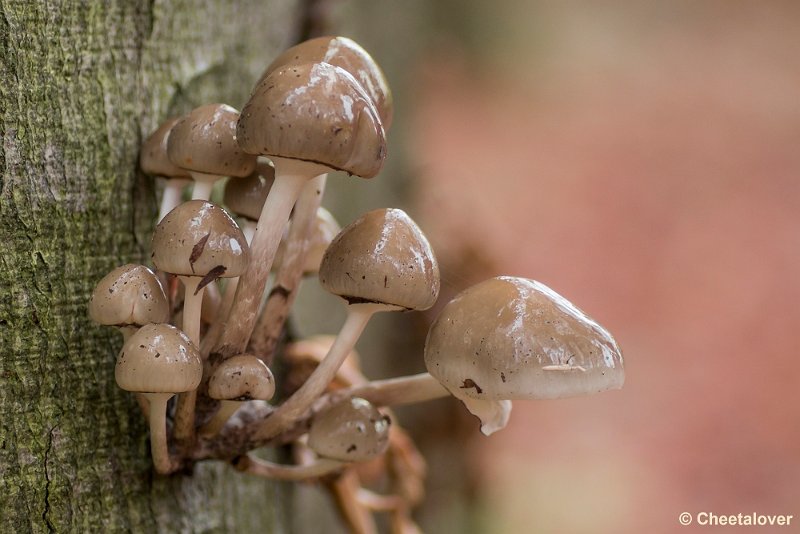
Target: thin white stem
<point>290,271</point>
<point>192,301</point>
<point>264,468</point>
<point>274,214</point>
<point>395,391</point>
<point>158,431</point>
<point>173,194</point>
<point>248,229</point>
<point>226,409</point>
<point>203,185</point>
<point>284,416</point>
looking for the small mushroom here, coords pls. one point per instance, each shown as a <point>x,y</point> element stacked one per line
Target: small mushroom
<point>198,242</point>
<point>350,431</point>
<point>236,380</point>
<point>154,161</point>
<point>349,55</point>
<point>514,338</point>
<point>159,361</point>
<point>380,262</point>
<point>129,297</point>
<point>309,120</point>
<point>245,197</point>
<point>204,143</point>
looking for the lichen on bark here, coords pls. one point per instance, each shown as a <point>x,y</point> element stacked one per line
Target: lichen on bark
<point>80,84</point>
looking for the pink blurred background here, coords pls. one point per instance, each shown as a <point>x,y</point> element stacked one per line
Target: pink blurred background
<point>642,159</point>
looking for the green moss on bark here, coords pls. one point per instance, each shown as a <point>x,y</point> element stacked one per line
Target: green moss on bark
<point>80,84</point>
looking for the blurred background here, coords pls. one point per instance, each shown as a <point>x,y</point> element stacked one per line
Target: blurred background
<point>642,159</point>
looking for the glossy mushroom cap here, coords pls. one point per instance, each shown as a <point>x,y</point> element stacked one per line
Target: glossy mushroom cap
<point>245,197</point>
<point>205,141</point>
<point>382,257</point>
<point>513,338</point>
<point>350,431</point>
<point>240,378</point>
<point>324,230</point>
<point>316,113</point>
<point>153,157</point>
<point>198,238</point>
<point>129,295</point>
<point>347,54</point>
<point>159,358</point>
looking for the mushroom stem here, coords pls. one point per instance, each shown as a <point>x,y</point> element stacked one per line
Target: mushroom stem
<point>358,315</point>
<point>173,191</point>
<point>158,431</point>
<point>184,411</point>
<point>264,468</point>
<point>344,490</point>
<point>128,330</point>
<point>290,271</point>
<point>226,409</point>
<point>393,391</point>
<point>290,177</point>
<point>203,185</point>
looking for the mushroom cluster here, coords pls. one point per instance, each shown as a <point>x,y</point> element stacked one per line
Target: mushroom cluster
<point>321,106</point>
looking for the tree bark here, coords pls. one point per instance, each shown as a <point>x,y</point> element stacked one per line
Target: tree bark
<point>81,83</point>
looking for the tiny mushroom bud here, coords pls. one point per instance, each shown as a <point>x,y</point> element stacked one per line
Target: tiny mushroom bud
<point>198,242</point>
<point>204,143</point>
<point>380,262</point>
<point>159,361</point>
<point>129,297</point>
<point>154,161</point>
<point>514,338</point>
<point>350,431</point>
<point>241,378</point>
<point>350,56</point>
<point>308,119</point>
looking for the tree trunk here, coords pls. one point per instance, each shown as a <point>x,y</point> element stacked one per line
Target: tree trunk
<point>81,83</point>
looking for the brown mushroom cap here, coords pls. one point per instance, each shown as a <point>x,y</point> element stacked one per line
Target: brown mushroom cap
<point>351,431</point>
<point>159,358</point>
<point>347,54</point>
<point>513,338</point>
<point>245,196</point>
<point>153,157</point>
<point>315,113</point>
<point>240,378</point>
<point>382,257</point>
<point>129,295</point>
<point>204,141</point>
<point>198,238</point>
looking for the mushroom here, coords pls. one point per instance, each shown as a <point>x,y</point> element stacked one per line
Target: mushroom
<point>154,161</point>
<point>204,143</point>
<point>198,242</point>
<point>350,431</point>
<point>159,361</point>
<point>380,262</point>
<point>236,380</point>
<point>129,297</point>
<point>349,55</point>
<point>505,338</point>
<point>513,338</point>
<point>309,120</point>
